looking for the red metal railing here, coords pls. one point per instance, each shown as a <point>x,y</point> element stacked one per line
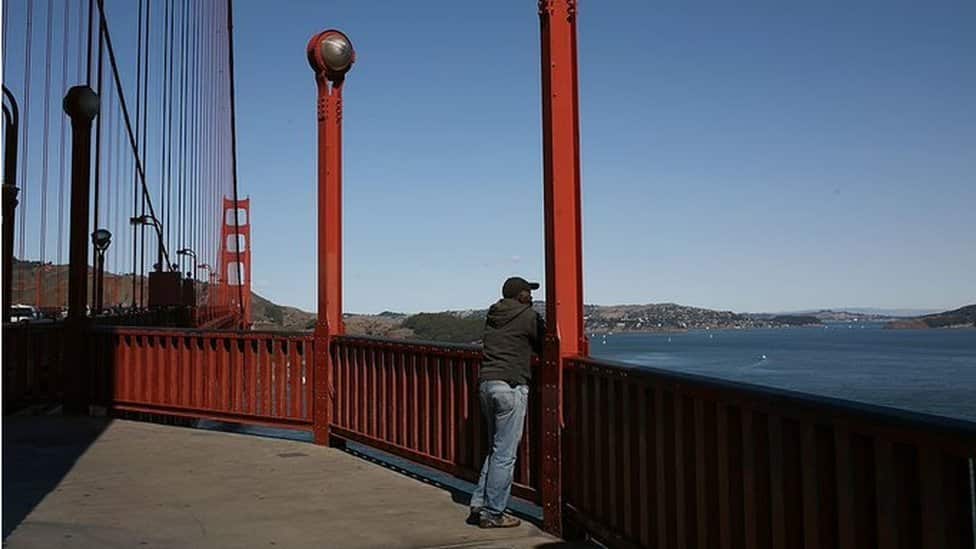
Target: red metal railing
<point>32,364</point>
<point>245,377</point>
<point>420,401</point>
<point>655,458</point>
<point>650,457</point>
<point>217,318</point>
<point>156,316</point>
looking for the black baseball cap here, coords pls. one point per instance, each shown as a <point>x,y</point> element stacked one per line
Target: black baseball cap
<point>514,286</point>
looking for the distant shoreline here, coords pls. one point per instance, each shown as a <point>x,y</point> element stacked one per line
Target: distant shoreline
<point>709,329</point>
<point>883,324</point>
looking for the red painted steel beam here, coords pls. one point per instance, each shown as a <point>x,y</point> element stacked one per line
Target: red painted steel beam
<point>563,235</point>
<point>331,55</point>
<point>561,176</point>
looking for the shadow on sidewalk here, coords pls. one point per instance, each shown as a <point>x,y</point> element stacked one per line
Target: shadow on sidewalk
<point>38,451</point>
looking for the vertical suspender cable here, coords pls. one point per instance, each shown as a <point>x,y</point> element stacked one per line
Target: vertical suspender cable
<point>196,133</point>
<point>207,153</point>
<point>109,177</point>
<point>24,195</point>
<point>170,41</point>
<point>45,164</point>
<point>194,136</point>
<point>145,134</point>
<point>125,114</point>
<point>184,24</point>
<point>117,207</point>
<point>162,119</point>
<point>61,159</point>
<point>6,17</point>
<point>81,37</point>
<point>135,177</point>
<point>233,152</point>
<point>98,145</point>
<point>91,21</point>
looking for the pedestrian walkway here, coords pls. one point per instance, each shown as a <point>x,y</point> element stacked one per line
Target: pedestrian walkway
<point>94,482</point>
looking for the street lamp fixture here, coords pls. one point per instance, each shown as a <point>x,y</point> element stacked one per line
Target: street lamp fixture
<point>101,239</point>
<point>210,273</point>
<point>145,220</point>
<point>191,254</point>
<point>331,53</point>
<point>148,219</point>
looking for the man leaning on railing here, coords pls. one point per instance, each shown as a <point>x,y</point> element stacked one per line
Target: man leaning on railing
<point>513,331</point>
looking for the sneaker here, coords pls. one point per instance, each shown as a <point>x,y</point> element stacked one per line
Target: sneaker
<point>502,521</point>
<point>474,519</point>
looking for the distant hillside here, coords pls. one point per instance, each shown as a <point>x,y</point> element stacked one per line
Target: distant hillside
<point>658,317</point>
<point>466,326</point>
<point>861,314</point>
<point>962,317</point>
<point>271,316</point>
<point>829,315</point>
<point>52,280</point>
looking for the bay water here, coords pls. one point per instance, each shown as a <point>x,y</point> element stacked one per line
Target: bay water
<point>931,371</point>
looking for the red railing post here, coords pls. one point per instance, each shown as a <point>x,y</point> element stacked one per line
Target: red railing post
<point>563,231</point>
<point>331,55</point>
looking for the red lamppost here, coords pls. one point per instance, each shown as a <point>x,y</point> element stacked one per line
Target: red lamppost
<point>331,55</point>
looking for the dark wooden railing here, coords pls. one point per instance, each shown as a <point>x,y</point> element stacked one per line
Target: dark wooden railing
<point>261,378</point>
<point>659,459</point>
<point>420,401</point>
<point>33,359</point>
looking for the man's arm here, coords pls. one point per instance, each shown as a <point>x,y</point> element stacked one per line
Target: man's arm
<point>538,335</point>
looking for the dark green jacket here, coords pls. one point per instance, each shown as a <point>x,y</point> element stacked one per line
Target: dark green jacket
<point>513,331</point>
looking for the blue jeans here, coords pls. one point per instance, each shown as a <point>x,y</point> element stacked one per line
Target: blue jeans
<point>504,408</point>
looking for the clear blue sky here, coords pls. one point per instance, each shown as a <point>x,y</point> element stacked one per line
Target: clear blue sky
<point>760,157</point>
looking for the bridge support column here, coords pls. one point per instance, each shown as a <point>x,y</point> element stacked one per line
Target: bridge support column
<point>81,105</point>
<point>11,128</point>
<point>331,55</point>
<point>563,236</point>
<point>10,192</point>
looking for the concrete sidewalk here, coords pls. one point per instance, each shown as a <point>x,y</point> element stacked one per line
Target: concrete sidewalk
<point>88,482</point>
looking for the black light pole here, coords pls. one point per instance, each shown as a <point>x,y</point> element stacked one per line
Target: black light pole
<point>101,239</point>
<point>81,104</point>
